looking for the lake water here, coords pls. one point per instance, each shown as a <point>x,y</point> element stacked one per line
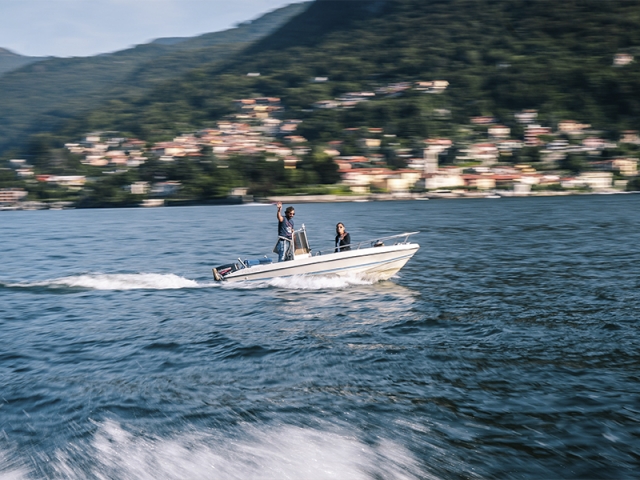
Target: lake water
<point>508,347</point>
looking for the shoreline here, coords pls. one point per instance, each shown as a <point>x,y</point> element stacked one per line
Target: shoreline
<point>384,197</point>
<point>297,199</point>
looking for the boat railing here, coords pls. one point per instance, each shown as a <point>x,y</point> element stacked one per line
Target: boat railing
<point>300,245</point>
<point>376,242</point>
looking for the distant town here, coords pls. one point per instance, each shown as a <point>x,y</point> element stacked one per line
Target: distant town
<point>437,168</point>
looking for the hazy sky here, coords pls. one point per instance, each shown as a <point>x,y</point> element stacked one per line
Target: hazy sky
<point>67,28</point>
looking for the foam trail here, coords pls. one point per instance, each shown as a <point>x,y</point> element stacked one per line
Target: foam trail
<point>117,281</point>
<point>319,282</point>
<point>249,452</point>
<point>9,471</point>
<point>304,282</point>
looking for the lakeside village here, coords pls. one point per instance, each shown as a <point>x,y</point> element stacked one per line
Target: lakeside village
<point>478,170</point>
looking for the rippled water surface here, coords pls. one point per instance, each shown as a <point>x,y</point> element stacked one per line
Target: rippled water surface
<point>508,347</point>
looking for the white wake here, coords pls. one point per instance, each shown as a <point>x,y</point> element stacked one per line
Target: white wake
<point>304,282</point>
<point>169,281</point>
<point>117,281</point>
<point>250,452</point>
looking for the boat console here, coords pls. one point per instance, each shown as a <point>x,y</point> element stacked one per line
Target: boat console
<point>301,246</point>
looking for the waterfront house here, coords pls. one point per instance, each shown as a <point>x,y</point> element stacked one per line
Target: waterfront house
<point>593,180</point>
<point>625,166</point>
<point>481,182</point>
<point>12,195</point>
<point>506,180</point>
<point>358,177</point>
<point>441,179</point>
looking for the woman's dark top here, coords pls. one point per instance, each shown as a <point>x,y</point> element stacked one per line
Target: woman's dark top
<point>341,242</point>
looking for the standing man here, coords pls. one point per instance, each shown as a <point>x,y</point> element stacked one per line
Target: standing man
<point>284,247</point>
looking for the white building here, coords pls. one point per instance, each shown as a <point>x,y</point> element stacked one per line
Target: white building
<point>12,195</point>
<point>138,188</point>
<point>622,59</point>
<point>499,131</point>
<point>526,116</point>
<point>593,180</point>
<point>435,146</point>
<point>487,153</point>
<point>442,179</point>
<point>71,181</point>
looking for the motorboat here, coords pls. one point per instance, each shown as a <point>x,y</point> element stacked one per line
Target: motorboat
<point>380,258</point>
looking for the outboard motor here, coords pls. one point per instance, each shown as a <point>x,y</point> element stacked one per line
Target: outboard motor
<point>221,271</point>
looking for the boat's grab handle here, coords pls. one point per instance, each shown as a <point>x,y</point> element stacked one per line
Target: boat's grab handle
<point>377,242</point>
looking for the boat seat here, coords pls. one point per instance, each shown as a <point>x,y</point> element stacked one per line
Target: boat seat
<point>252,262</point>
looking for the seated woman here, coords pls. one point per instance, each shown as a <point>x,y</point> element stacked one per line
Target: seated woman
<point>343,239</point>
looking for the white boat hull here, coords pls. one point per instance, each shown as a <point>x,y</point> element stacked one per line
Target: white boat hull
<point>380,262</point>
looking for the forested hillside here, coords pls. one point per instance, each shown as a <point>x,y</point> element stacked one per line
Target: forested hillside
<point>41,96</point>
<point>11,61</point>
<point>498,57</point>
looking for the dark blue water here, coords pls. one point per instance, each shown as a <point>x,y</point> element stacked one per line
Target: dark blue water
<point>508,347</point>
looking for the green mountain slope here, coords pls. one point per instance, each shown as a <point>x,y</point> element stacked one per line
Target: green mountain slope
<point>41,96</point>
<point>498,56</point>
<point>12,61</point>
